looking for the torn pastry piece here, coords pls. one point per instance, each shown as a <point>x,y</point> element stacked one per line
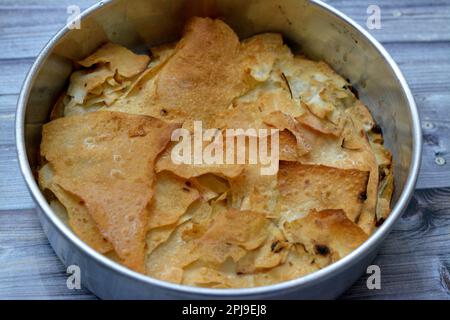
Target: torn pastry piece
<point>296,262</point>
<point>203,75</point>
<point>170,248</point>
<point>321,125</point>
<point>386,181</point>
<point>316,85</point>
<point>172,197</point>
<point>167,260</point>
<point>267,106</point>
<point>255,188</point>
<point>157,236</point>
<point>283,121</point>
<point>79,218</point>
<point>365,155</point>
<point>305,187</point>
<point>202,276</point>
<point>253,191</point>
<point>272,253</point>
<point>190,158</point>
<point>230,235</point>
<point>385,174</point>
<point>119,59</point>
<point>198,214</point>
<point>111,70</point>
<point>288,146</point>
<point>385,192</point>
<point>328,150</point>
<point>261,52</point>
<point>94,157</point>
<point>84,81</point>
<point>326,233</point>
<point>210,186</point>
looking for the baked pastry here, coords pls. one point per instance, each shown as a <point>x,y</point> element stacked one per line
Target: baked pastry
<point>108,165</point>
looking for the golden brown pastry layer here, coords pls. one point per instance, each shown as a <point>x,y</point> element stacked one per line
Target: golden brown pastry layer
<point>108,166</point>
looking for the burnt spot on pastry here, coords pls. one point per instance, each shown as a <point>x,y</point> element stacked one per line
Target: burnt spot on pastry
<point>362,196</point>
<point>352,89</point>
<point>376,129</point>
<point>277,246</point>
<point>322,249</point>
<point>379,222</point>
<point>287,83</point>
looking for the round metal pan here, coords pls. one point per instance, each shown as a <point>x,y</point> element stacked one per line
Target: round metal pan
<point>311,27</point>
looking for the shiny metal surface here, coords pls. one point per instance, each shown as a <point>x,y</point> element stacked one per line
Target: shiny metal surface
<point>311,27</point>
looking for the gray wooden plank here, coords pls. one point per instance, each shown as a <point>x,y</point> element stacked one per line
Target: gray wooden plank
<point>402,21</point>
<point>417,20</point>
<point>435,117</point>
<point>30,269</point>
<point>12,74</point>
<point>26,25</point>
<point>13,191</point>
<point>7,115</point>
<point>14,195</point>
<point>415,258</point>
<point>426,66</point>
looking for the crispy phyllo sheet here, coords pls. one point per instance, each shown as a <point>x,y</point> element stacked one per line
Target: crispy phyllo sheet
<point>119,59</point>
<point>201,207</point>
<point>106,160</point>
<point>173,195</point>
<point>79,218</point>
<point>326,233</point>
<point>186,166</point>
<point>305,187</point>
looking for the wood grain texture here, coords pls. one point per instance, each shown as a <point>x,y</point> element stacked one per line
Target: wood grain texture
<point>426,67</point>
<point>414,260</point>
<point>29,267</point>
<point>402,20</point>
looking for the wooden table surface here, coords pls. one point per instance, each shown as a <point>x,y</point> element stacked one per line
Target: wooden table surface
<point>414,260</point>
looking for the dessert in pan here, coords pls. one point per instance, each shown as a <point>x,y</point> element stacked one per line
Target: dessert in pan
<point>149,158</point>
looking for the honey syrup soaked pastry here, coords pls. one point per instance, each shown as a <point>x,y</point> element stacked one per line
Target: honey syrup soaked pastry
<point>139,195</point>
<point>106,159</point>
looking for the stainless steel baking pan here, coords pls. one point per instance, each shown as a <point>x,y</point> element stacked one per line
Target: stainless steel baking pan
<point>312,27</point>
